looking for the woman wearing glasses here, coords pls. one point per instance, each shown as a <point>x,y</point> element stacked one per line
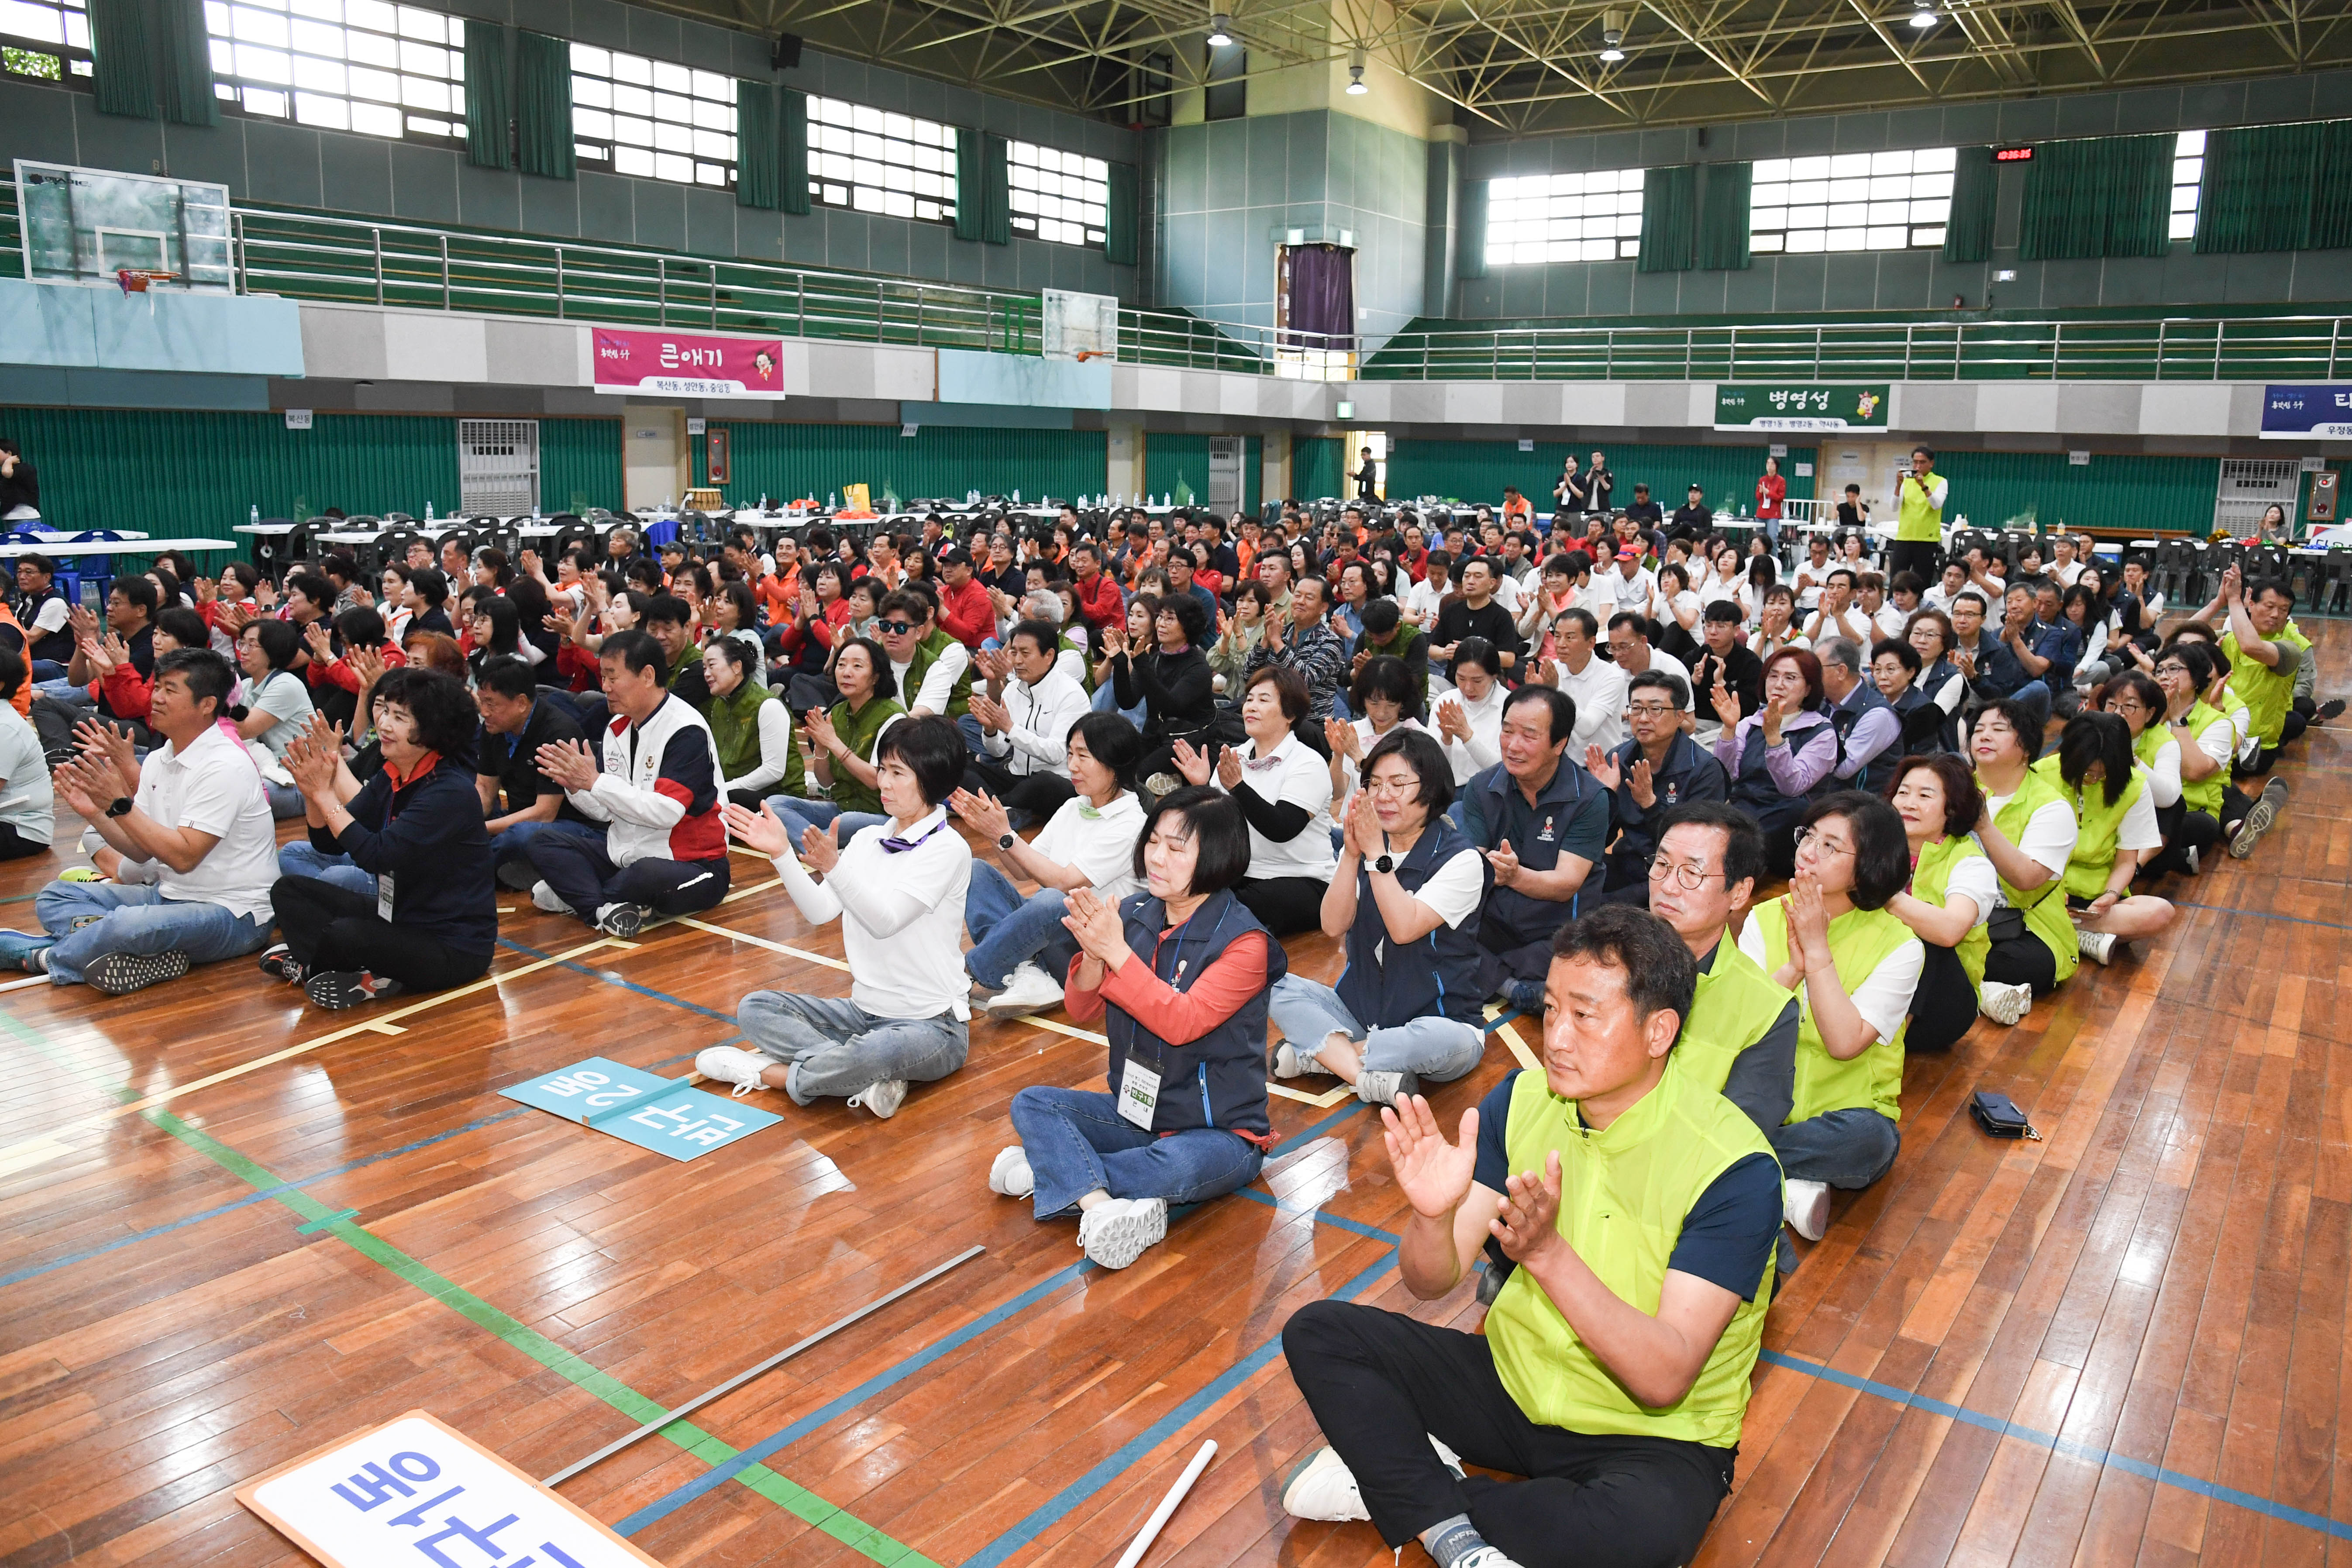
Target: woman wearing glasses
<point>1854,966</point>
<point>839,749</point>
<point>2208,740</point>
<point>1405,901</point>
<point>1952,892</point>
<point>1777,754</point>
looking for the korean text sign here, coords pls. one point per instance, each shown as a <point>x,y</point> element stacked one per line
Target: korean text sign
<point>1800,406</point>
<point>642,1107</point>
<point>688,364</point>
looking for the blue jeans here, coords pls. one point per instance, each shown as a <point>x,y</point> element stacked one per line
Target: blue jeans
<point>1105,701</point>
<point>45,671</point>
<point>67,691</point>
<point>795,813</point>
<point>512,844</point>
<point>1309,1012</point>
<point>285,800</point>
<point>1008,930</point>
<point>299,860</point>
<point>1850,1148</point>
<point>833,1046</point>
<point>138,919</point>
<point>1078,1143</point>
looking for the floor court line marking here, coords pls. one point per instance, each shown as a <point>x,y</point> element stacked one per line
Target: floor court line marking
<point>2260,915</point>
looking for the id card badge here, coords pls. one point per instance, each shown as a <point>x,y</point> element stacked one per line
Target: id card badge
<point>384,896</point>
<point>1139,1094</point>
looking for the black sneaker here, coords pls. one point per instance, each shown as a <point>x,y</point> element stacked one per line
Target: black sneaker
<point>119,974</point>
<point>2331,708</point>
<point>278,962</point>
<point>336,989</point>
<point>623,920</point>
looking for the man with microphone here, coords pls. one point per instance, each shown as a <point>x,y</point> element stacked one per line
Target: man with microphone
<point>1919,498</point>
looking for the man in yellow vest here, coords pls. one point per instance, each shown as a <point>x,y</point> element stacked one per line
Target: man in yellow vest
<point>2271,668</point>
<point>1919,498</point>
<point>1641,1207</point>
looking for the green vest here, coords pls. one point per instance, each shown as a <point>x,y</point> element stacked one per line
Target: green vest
<point>1930,879</point>
<point>1917,523</point>
<point>734,721</point>
<point>2267,694</point>
<point>1085,665</point>
<point>2205,795</point>
<point>1407,634</point>
<point>1735,1006</point>
<point>1624,1190</point>
<point>1859,940</point>
<point>2098,824</point>
<point>927,653</point>
<point>2044,906</point>
<point>858,731</point>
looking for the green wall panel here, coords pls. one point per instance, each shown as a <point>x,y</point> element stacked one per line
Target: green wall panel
<point>1478,470</point>
<point>2158,494</point>
<point>792,460</point>
<point>1317,468</point>
<point>176,472</point>
<point>579,464</point>
<point>1170,459</point>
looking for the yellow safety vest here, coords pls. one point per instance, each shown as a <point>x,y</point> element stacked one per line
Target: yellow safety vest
<point>2044,906</point>
<point>2267,694</point>
<point>1930,879</point>
<point>1736,1006</point>
<point>2205,795</point>
<point>1915,521</point>
<point>2098,823</point>
<point>1860,940</point>
<point>1624,1191</point>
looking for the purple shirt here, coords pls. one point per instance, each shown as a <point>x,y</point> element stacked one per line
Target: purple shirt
<point>1795,768</point>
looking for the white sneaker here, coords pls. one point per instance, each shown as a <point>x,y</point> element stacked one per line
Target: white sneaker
<point>882,1098</point>
<point>1115,1234</point>
<point>543,897</point>
<point>1489,1555</point>
<point>1386,1087</point>
<point>1323,1488</point>
<point>2098,946</point>
<point>1288,1062</point>
<point>622,919</point>
<point>733,1064</point>
<point>2005,1004</point>
<point>1028,989</point>
<point>1806,1207</point>
<point>1010,1175</point>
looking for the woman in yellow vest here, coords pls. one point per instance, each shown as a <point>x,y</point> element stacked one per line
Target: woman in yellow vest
<point>2027,831</point>
<point>1951,895</point>
<point>2157,748</point>
<point>2114,803</point>
<point>2207,741</point>
<point>1854,966</point>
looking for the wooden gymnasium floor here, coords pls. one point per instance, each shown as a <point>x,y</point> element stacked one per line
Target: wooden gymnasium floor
<point>231,1230</point>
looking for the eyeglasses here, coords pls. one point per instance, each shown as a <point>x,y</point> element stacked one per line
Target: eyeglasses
<point>1821,845</point>
<point>1392,787</point>
<point>1690,876</point>
<point>2172,669</point>
<point>897,628</point>
<point>1648,709</point>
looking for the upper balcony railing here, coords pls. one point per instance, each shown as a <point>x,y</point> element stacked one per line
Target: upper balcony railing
<point>359,260</point>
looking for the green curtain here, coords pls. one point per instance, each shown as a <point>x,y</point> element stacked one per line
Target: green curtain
<point>1670,219</point>
<point>543,106</point>
<point>2106,196</point>
<point>1723,218</point>
<point>1122,214</point>
<point>489,97</point>
<point>1968,235</point>
<point>758,164</point>
<point>970,201</point>
<point>121,70</point>
<point>1470,231</point>
<point>793,192</point>
<point>185,53</point>
<point>996,190</point>
<point>2277,187</point>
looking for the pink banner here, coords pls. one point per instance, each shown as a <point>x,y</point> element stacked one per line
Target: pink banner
<point>689,365</point>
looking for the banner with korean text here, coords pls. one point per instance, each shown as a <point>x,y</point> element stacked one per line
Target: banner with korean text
<point>688,364</point>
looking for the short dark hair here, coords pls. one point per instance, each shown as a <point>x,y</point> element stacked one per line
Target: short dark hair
<point>432,584</point>
<point>933,750</point>
<point>184,626</point>
<point>1882,851</point>
<point>206,673</point>
<point>1661,976</point>
<point>1289,688</point>
<point>39,562</point>
<point>12,672</point>
<point>1727,610</point>
<point>1380,617</point>
<point>1045,635</point>
<point>636,649</point>
<point>312,587</point>
<point>1927,452</point>
<point>139,590</point>
<point>507,676</point>
<point>1114,742</point>
<point>1903,652</point>
<point>1386,674</point>
<point>2094,737</point>
<point>281,644</point>
<point>885,680</point>
<point>1480,652</point>
<point>668,609</point>
<point>1743,841</point>
<point>1214,822</point>
<point>444,711</point>
<point>1676,689</point>
<point>360,626</point>
<point>1421,753</point>
<point>1908,582</point>
<point>1963,801</point>
<point>2278,586</point>
<point>1583,618</point>
<point>2022,722</point>
<point>1559,710</point>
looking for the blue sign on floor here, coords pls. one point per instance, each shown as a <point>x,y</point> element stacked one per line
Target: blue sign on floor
<point>642,1107</point>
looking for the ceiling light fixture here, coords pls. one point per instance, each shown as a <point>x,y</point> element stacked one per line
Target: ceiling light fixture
<point>1612,36</point>
<point>1356,87</point>
<point>1923,14</point>
<point>1221,30</point>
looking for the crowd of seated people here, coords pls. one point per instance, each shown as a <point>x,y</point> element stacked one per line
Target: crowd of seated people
<point>1740,848</point>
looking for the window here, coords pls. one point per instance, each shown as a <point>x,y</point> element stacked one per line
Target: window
<point>2188,173</point>
<point>1057,196</point>
<point>876,162</point>
<point>342,65</point>
<point>1854,201</point>
<point>657,120</point>
<point>1564,218</point>
<point>62,24</point>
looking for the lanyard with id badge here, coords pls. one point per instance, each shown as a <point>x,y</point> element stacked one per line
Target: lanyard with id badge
<point>1139,1086</point>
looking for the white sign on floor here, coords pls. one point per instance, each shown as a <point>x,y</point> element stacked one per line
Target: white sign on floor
<point>415,1490</point>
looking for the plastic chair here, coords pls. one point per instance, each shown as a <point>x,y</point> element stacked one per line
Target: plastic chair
<point>269,550</point>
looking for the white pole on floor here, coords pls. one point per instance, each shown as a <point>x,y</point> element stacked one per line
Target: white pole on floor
<point>1159,1520</point>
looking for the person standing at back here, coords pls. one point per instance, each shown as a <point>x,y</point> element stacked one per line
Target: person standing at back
<point>1919,498</point>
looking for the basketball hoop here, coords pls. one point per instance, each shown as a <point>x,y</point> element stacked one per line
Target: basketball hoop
<point>135,280</point>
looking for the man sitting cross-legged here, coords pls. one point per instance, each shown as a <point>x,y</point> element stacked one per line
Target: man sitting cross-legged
<point>192,853</point>
<point>898,890</point>
<point>1641,1207</point>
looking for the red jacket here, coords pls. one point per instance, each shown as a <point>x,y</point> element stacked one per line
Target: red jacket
<point>965,613</point>
<point>1101,602</point>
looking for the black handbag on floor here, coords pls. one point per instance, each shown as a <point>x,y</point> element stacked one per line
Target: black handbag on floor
<point>1998,1114</point>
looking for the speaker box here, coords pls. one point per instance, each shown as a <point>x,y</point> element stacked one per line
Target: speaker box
<point>787,52</point>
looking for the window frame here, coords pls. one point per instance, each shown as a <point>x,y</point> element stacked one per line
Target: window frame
<point>707,95</point>
<point>403,61</point>
<point>1519,196</point>
<point>2188,180</point>
<point>846,135</point>
<point>1093,226</point>
<point>73,58</point>
<point>1782,188</point>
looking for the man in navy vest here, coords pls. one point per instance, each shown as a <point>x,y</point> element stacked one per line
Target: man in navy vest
<point>1660,769</point>
<point>44,613</point>
<point>1869,731</point>
<point>1543,822</point>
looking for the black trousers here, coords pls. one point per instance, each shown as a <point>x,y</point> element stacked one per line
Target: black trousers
<point>1040,794</point>
<point>578,872</point>
<point>1286,906</point>
<point>2022,961</point>
<point>1913,555</point>
<point>1378,1381</point>
<point>2184,830</point>
<point>332,929</point>
<point>1944,1005</point>
<point>15,846</point>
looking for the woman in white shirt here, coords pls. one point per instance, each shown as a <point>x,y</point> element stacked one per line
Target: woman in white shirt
<point>1951,894</point>
<point>1469,718</point>
<point>1284,789</point>
<point>276,705</point>
<point>28,809</point>
<point>1762,574</point>
<point>1387,697</point>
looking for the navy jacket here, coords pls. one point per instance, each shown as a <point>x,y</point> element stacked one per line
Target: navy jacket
<point>1436,976</point>
<point>1219,1080</point>
<point>1691,773</point>
<point>428,838</point>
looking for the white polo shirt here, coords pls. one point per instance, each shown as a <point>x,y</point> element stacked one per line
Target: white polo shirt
<point>214,788</point>
<point>1099,843</point>
<point>1292,774</point>
<point>901,916</point>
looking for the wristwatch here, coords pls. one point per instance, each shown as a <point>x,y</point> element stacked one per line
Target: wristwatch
<point>119,806</point>
<point>1004,841</point>
<point>1385,865</point>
